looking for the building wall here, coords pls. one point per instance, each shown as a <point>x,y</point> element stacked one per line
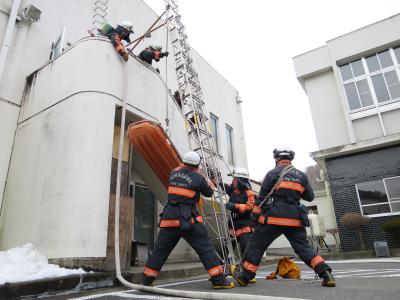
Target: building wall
<point>312,68</point>
<point>327,112</point>
<point>61,162</point>
<point>344,173</point>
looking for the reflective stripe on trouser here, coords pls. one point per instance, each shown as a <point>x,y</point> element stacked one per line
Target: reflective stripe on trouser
<point>197,237</point>
<point>266,234</point>
<point>150,272</point>
<point>177,223</point>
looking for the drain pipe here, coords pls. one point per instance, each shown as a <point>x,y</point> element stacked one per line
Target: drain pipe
<point>156,290</point>
<point>8,36</point>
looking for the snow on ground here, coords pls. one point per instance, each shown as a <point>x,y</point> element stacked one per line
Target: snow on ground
<point>26,263</point>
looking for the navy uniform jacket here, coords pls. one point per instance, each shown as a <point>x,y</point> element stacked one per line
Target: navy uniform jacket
<point>185,186</point>
<point>244,202</point>
<point>285,209</point>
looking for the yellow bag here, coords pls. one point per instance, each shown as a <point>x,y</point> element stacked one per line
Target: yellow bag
<point>286,268</point>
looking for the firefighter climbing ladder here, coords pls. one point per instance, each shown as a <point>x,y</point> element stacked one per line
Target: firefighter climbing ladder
<point>198,129</point>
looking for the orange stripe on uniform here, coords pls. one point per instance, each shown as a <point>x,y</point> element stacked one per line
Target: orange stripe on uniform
<point>215,271</point>
<point>199,219</point>
<point>291,186</point>
<point>261,219</point>
<point>256,210</point>
<point>284,222</point>
<point>250,267</point>
<point>150,272</point>
<point>240,231</point>
<point>316,261</point>
<point>181,192</point>
<point>170,223</point>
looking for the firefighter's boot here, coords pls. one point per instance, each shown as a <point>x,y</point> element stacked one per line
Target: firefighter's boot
<point>238,276</point>
<point>147,280</point>
<point>221,282</point>
<point>327,279</point>
<point>253,280</point>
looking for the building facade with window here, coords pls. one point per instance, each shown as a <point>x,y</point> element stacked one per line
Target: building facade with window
<point>60,115</point>
<point>353,88</point>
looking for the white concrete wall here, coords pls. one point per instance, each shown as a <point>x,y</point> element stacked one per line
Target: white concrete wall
<point>327,113</point>
<point>311,70</point>
<point>58,188</point>
<point>60,169</point>
<point>8,122</point>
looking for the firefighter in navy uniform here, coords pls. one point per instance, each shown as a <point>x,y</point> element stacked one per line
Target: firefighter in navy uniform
<point>152,52</point>
<point>119,33</point>
<point>180,219</point>
<point>283,214</point>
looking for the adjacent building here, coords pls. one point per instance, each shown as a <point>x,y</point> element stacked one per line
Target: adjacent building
<point>60,97</point>
<point>353,88</point>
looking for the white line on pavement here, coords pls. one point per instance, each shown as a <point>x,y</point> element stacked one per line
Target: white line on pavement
<point>182,282</point>
<point>351,261</point>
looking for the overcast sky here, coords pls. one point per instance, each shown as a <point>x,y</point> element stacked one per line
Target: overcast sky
<point>252,42</point>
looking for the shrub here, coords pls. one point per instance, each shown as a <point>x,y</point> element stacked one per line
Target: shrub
<point>355,221</point>
<point>392,226</point>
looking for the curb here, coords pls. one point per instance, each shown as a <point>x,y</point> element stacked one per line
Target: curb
<point>89,281</point>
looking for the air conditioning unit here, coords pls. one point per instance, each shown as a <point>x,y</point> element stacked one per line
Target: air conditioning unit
<point>381,249</point>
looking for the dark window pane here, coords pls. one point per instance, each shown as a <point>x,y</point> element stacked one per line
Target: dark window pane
<point>393,188</point>
<point>397,53</point>
<point>345,71</point>
<point>229,141</point>
<point>385,59</point>
<point>372,63</point>
<point>395,206</point>
<point>381,91</point>
<point>364,92</point>
<point>393,84</point>
<point>372,192</point>
<point>352,96</point>
<point>358,68</point>
<point>214,130</point>
<point>376,209</point>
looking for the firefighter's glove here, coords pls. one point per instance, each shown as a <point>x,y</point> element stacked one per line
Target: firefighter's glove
<point>166,53</point>
<point>125,56</point>
<point>230,206</point>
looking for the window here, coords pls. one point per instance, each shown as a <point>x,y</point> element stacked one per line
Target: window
<point>229,143</point>
<point>214,130</point>
<point>373,80</point>
<point>379,197</point>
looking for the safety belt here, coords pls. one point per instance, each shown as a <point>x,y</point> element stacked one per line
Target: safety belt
<point>284,172</point>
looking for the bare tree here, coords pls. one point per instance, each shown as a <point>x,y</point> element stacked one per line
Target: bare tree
<point>313,174</point>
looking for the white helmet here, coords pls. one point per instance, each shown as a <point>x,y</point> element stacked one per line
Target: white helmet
<point>192,158</point>
<point>156,47</point>
<point>241,172</point>
<point>284,152</point>
<point>127,25</point>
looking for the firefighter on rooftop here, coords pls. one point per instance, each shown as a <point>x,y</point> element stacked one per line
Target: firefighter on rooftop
<point>180,219</point>
<point>282,214</point>
<point>117,34</point>
<point>152,52</point>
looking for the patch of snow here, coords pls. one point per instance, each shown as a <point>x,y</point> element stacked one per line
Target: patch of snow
<point>26,263</point>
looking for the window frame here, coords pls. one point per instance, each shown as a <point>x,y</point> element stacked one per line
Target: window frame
<point>368,76</point>
<point>216,137</point>
<point>229,146</point>
<point>391,213</point>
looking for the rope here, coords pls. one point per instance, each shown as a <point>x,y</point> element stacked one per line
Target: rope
<point>166,80</point>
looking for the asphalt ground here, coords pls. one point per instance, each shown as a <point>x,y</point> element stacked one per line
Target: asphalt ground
<point>355,279</point>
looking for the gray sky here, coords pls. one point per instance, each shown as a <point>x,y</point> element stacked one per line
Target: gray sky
<point>252,42</point>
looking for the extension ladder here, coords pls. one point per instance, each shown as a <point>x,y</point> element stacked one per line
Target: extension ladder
<point>199,133</point>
